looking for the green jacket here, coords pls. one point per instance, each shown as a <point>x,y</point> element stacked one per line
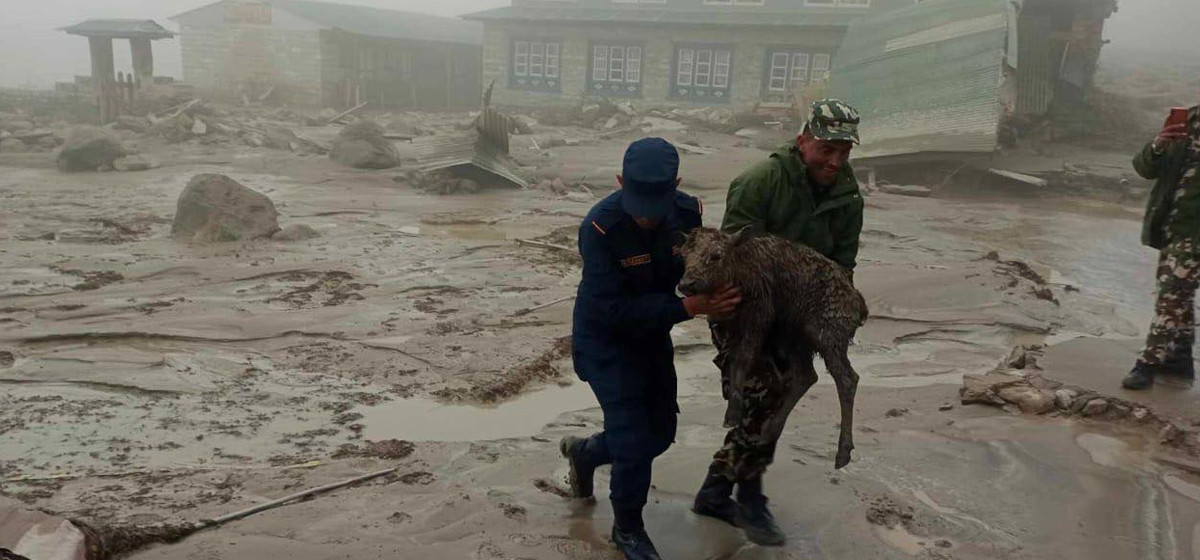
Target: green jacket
<point>774,196</point>
<point>1167,170</point>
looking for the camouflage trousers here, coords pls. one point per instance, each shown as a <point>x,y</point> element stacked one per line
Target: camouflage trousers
<point>754,431</point>
<point>1174,325</point>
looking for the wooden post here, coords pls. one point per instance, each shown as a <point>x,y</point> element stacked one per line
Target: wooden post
<point>102,74</point>
<point>143,61</point>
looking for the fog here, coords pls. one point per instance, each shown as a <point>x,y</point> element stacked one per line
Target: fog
<point>35,54</point>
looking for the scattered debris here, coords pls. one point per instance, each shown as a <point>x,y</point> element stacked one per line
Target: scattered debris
<point>137,162</point>
<point>296,232</point>
<point>389,449</point>
<point>1021,177</point>
<point>363,146</point>
<point>215,208</point>
<point>905,190</point>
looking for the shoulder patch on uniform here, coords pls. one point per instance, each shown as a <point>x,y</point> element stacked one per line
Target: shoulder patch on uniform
<point>636,260</point>
<point>598,228</point>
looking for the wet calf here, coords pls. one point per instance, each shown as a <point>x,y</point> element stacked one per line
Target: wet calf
<point>795,302</point>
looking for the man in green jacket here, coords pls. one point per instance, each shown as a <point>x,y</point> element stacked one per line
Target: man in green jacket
<point>1172,225</point>
<point>806,192</point>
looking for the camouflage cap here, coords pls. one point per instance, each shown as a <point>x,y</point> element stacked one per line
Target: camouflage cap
<point>833,119</point>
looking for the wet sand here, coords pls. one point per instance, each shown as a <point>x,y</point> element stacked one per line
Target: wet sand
<point>197,380</point>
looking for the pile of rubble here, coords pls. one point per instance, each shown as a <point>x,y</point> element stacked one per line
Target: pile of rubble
<point>196,122</point>
<point>21,133</point>
<point>1017,386</point>
<point>606,115</point>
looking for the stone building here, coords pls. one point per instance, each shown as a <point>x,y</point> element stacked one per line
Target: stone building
<point>337,55</point>
<point>736,53</point>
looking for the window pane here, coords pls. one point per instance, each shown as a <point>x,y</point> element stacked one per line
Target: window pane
<point>599,63</point>
<point>799,68</point>
<point>684,75</point>
<point>537,52</point>
<point>521,59</point>
<point>633,66</point>
<point>721,69</point>
<point>616,64</point>
<point>703,67</point>
<point>779,68</point>
<point>551,60</point>
<point>820,67</point>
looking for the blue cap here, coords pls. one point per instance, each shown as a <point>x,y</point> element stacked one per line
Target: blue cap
<point>649,171</point>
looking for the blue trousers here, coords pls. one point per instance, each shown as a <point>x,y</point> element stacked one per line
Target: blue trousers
<point>640,414</point>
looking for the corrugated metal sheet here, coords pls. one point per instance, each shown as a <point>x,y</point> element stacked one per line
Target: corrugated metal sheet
<point>926,78</point>
<point>712,15</point>
<point>485,146</point>
<point>388,24</point>
<point>1035,86</point>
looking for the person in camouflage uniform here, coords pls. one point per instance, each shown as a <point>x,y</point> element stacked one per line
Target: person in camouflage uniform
<point>1172,225</point>
<point>805,192</point>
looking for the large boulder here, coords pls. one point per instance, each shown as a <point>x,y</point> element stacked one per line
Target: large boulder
<point>215,208</point>
<point>90,150</point>
<point>363,146</point>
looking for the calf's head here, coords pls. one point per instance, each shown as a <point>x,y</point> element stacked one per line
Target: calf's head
<point>707,262</point>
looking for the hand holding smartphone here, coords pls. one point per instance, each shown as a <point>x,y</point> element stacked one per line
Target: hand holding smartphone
<point>1174,130</point>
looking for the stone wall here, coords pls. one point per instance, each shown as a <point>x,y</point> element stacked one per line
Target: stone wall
<point>749,45</point>
<point>223,60</point>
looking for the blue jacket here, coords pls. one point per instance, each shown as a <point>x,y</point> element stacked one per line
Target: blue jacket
<point>626,304</point>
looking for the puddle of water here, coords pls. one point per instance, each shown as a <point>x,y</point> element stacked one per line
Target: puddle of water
<point>1107,451</point>
<point>427,420</point>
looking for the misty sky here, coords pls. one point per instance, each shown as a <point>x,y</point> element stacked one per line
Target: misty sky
<point>34,54</point>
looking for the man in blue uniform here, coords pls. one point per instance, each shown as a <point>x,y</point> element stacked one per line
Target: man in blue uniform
<point>624,312</point>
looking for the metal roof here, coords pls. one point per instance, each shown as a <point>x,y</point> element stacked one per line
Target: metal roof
<point>655,16</point>
<point>388,24</point>
<point>927,78</point>
<point>120,28</point>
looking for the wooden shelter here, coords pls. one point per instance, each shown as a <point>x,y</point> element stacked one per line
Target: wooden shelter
<point>115,91</point>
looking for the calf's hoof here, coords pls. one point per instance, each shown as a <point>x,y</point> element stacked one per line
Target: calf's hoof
<point>843,456</point>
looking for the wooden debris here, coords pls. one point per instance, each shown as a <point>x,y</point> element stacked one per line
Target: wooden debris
<point>543,306</point>
<point>346,113</point>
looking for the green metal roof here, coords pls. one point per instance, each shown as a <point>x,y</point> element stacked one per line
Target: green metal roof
<point>389,24</point>
<point>927,78</point>
<point>656,16</point>
<point>120,28</point>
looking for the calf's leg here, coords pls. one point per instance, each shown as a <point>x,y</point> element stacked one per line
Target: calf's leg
<point>846,379</point>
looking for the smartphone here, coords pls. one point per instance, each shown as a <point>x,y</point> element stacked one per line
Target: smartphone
<point>1178,116</point>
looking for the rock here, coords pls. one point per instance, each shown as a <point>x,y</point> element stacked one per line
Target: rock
<point>1140,414</point>
<point>946,407</point>
<point>1028,399</point>
<point>982,389</point>
<point>748,133</point>
<point>362,145</point>
<point>625,108</point>
<point>174,130</point>
<point>216,208</point>
<point>296,232</point>
<point>137,162</point>
<point>1120,410</point>
<point>524,124</point>
<point>48,142</point>
<point>1095,407</point>
<point>90,149</point>
<point>896,412</point>
<point>611,123</point>
<point>906,190</point>
<point>1017,358</point>
<point>1170,434</point>
<point>199,128</point>
<point>558,186</point>
<point>13,146</point>
<point>1064,398</point>
<point>7,359</point>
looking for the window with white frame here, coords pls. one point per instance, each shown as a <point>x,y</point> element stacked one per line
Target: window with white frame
<point>838,3</point>
<point>535,64</point>
<point>702,72</point>
<point>733,2</point>
<point>616,69</point>
<point>789,71</point>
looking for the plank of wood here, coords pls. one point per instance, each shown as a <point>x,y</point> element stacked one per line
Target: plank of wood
<point>543,245</point>
<point>347,112</point>
<point>1028,179</point>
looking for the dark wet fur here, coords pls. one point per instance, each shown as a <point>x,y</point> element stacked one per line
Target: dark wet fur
<point>795,303</point>
<point>105,543</point>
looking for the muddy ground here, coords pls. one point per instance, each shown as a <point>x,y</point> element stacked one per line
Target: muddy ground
<point>151,380</point>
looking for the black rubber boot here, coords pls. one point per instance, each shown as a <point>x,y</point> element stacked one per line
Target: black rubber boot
<point>1140,378</point>
<point>753,516</point>
<point>630,535</point>
<point>1179,369</point>
<point>714,498</point>
<point>581,472</point>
